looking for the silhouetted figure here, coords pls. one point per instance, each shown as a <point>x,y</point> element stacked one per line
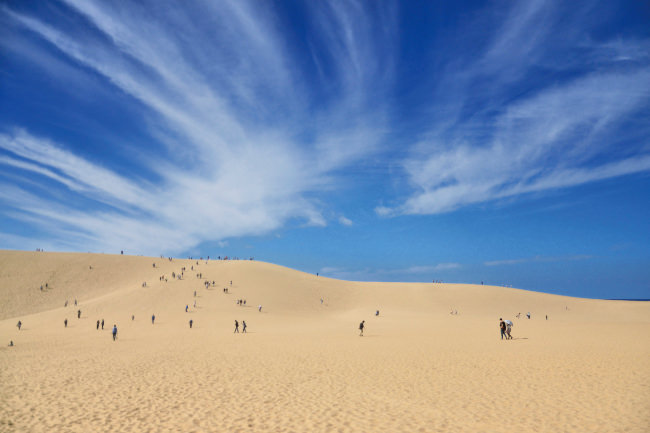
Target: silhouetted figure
<point>102,324</point>
<point>19,325</point>
<point>243,322</point>
<point>65,323</point>
<point>236,326</point>
<point>78,314</point>
<point>114,332</point>
<point>153,318</point>
<point>98,325</point>
<point>191,322</point>
<point>361,326</point>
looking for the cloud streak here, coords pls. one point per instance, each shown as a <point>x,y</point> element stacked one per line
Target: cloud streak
<point>246,120</point>
<point>553,134</point>
<point>423,272</point>
<point>537,259</point>
<point>224,164</point>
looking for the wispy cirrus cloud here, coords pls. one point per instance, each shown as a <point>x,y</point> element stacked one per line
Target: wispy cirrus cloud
<point>503,129</point>
<point>421,272</point>
<point>345,221</point>
<point>231,151</point>
<point>537,259</point>
<point>248,116</point>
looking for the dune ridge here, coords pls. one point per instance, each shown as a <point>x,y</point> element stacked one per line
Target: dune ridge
<point>302,365</point>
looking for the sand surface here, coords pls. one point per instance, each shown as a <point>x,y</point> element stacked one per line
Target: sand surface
<point>302,366</point>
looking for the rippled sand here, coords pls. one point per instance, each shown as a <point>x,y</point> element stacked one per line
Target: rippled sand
<point>302,366</point>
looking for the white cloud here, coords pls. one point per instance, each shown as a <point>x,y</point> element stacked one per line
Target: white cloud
<point>556,135</point>
<point>369,274</point>
<point>537,259</point>
<point>543,143</point>
<point>345,221</point>
<point>446,266</point>
<point>225,110</point>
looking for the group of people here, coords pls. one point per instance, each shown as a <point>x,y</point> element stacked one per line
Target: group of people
<point>506,328</point>
<point>240,302</point>
<point>243,323</point>
<point>65,304</point>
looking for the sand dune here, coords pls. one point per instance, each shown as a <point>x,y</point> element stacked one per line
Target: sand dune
<point>302,366</point>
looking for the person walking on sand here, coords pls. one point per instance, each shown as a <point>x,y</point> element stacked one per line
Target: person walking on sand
<point>502,326</point>
<point>191,322</point>
<point>65,323</point>
<point>114,332</point>
<point>361,326</point>
<point>153,318</point>
<point>98,325</point>
<point>78,314</point>
<point>19,324</point>
<point>236,327</point>
<point>102,324</point>
<point>508,329</point>
<point>243,322</point>
<point>186,307</point>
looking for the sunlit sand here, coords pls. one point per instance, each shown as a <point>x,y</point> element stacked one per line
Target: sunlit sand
<point>302,366</point>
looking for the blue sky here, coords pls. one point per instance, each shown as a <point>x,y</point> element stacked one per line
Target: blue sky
<point>504,142</point>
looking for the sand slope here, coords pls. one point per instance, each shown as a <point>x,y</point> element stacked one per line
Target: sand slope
<point>302,366</point>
